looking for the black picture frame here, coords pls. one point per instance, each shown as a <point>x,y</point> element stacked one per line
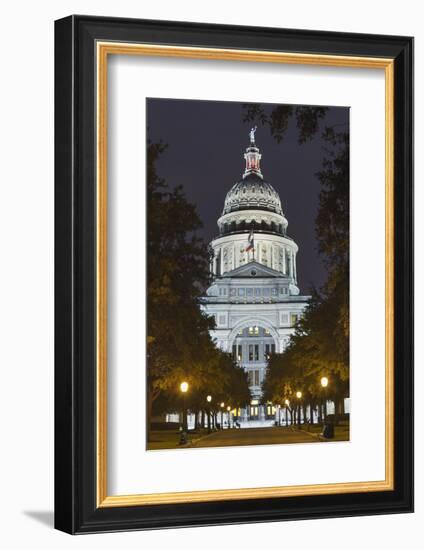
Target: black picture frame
<point>76,510</point>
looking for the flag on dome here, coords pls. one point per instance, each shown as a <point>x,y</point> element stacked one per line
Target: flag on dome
<point>250,243</point>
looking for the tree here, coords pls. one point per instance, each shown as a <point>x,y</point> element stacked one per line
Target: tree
<point>320,344</point>
<point>179,345</point>
<point>177,267</point>
<point>307,118</point>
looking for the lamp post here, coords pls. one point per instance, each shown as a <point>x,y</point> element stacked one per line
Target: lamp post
<point>222,415</point>
<point>183,437</point>
<point>229,416</point>
<point>324,384</point>
<point>299,397</point>
<point>209,399</point>
<point>287,404</point>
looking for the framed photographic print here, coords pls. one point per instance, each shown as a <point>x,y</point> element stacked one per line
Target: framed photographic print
<point>233,274</point>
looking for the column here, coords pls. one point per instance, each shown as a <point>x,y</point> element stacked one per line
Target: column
<point>291,264</point>
<point>221,255</point>
<point>294,265</point>
<point>234,256</point>
<point>284,260</point>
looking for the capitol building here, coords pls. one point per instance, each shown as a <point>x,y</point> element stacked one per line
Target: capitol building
<point>254,296</point>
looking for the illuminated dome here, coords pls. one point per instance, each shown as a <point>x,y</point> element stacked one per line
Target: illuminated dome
<point>252,193</point>
<point>252,202</point>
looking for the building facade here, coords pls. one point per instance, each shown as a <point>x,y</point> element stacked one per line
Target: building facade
<point>254,296</point>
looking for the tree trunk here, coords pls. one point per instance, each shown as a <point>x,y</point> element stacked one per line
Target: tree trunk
<point>151,396</point>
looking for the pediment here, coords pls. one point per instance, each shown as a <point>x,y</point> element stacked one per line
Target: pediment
<point>252,269</point>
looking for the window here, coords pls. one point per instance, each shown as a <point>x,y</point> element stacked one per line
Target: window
<point>256,377</point>
<point>270,410</point>
<point>284,318</point>
<point>254,409</point>
<point>253,377</point>
<point>237,352</point>
<point>253,352</point>
<point>267,350</point>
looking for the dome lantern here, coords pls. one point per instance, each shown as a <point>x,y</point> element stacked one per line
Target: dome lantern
<point>252,157</point>
<point>252,192</point>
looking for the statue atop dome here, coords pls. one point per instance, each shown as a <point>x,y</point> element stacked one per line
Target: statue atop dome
<point>252,135</point>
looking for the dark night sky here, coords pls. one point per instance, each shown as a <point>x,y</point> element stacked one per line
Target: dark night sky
<point>206,142</point>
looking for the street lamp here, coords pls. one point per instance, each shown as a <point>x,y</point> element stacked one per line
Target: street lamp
<point>287,404</point>
<point>299,396</point>
<point>228,411</point>
<point>324,384</point>
<point>209,399</point>
<point>222,415</point>
<point>183,437</point>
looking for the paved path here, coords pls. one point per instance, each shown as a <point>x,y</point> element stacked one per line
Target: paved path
<point>255,436</point>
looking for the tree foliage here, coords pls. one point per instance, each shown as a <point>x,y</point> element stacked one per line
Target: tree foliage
<point>307,119</point>
<point>179,345</point>
<point>320,344</point>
